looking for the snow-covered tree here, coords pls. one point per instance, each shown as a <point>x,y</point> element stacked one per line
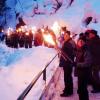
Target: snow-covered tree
<point>10,13</point>
<point>2,10</point>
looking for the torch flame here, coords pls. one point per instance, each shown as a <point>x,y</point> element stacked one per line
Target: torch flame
<point>27,33</point>
<point>56,28</point>
<point>10,29</point>
<point>48,38</point>
<point>19,30</point>
<point>33,29</point>
<point>8,33</point>
<point>42,30</point>
<point>2,30</point>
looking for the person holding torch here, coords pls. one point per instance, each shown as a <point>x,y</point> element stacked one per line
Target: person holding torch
<point>66,59</point>
<point>68,49</point>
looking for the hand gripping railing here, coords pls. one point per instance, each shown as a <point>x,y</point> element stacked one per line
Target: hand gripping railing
<point>29,87</point>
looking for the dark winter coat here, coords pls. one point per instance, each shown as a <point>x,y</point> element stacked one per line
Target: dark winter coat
<point>83,61</point>
<point>68,49</point>
<point>38,39</point>
<point>94,46</point>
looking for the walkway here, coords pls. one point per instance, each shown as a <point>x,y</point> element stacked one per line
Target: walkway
<point>60,86</point>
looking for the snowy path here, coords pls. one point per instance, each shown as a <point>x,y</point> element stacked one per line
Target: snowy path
<point>60,87</point>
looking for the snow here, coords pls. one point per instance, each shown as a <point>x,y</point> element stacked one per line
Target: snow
<point>19,67</point>
<point>58,89</point>
<point>71,17</point>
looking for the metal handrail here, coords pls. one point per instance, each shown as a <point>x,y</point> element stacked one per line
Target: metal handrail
<point>29,87</point>
<point>52,80</point>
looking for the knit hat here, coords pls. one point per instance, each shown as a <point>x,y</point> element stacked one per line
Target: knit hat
<point>91,31</point>
<point>64,28</point>
<point>83,38</point>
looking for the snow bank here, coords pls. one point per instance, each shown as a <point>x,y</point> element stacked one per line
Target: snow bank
<point>19,67</point>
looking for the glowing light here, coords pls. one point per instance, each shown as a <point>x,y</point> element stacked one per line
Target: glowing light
<point>8,28</point>
<point>8,32</point>
<point>62,33</point>
<point>11,29</point>
<point>2,30</point>
<point>56,28</point>
<point>16,30</point>
<point>19,29</point>
<point>27,33</point>
<point>48,38</point>
<point>22,29</point>
<point>42,30</point>
<point>71,35</point>
<point>26,27</point>
<point>33,29</point>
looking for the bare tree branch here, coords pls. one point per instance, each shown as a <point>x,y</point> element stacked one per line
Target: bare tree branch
<point>57,6</point>
<point>87,21</point>
<point>70,3</point>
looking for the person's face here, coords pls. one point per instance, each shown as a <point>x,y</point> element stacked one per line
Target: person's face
<point>80,43</point>
<point>66,36</point>
<point>91,35</point>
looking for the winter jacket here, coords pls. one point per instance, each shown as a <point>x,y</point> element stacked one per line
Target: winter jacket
<point>83,61</point>
<point>68,50</point>
<point>38,39</point>
<point>83,57</point>
<point>94,46</point>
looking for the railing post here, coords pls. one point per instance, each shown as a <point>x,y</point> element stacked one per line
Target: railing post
<point>44,75</point>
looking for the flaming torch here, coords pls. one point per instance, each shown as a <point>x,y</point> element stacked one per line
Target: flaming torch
<point>27,33</point>
<point>2,30</point>
<point>48,38</point>
<point>8,33</point>
<point>33,29</point>
<point>42,30</point>
<point>56,28</point>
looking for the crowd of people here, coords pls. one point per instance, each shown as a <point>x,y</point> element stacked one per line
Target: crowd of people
<point>16,39</point>
<point>27,38</point>
<point>19,39</point>
<point>85,57</point>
